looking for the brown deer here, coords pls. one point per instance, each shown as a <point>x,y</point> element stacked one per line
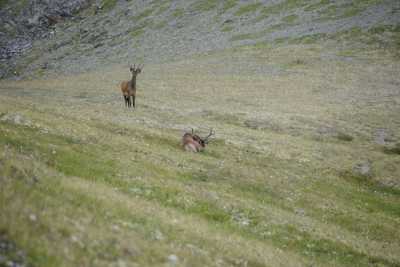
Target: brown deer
<point>193,143</point>
<point>128,88</point>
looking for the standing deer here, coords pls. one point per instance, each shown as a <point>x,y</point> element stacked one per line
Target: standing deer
<point>128,88</point>
<point>193,143</point>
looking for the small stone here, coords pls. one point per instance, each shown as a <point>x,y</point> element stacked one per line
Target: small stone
<point>363,169</point>
<point>157,235</point>
<point>244,222</point>
<point>74,239</point>
<point>220,262</point>
<point>115,228</point>
<point>382,137</point>
<point>33,217</point>
<point>121,263</point>
<point>300,212</point>
<point>173,259</point>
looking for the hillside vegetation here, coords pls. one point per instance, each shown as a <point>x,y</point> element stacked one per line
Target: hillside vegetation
<point>304,97</point>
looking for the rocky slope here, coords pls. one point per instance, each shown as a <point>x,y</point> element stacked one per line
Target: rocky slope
<point>73,36</point>
<point>23,22</point>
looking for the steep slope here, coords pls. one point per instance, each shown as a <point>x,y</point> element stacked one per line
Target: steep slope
<point>148,31</point>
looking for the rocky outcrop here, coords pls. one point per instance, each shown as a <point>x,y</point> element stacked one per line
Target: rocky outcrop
<point>22,22</point>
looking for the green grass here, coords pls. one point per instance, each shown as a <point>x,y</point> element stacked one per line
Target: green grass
<point>246,36</point>
<point>359,38</point>
<point>392,150</point>
<point>162,8</point>
<point>204,5</point>
<point>308,39</point>
<point>227,28</point>
<point>14,6</point>
<point>178,13</point>
<point>356,7</point>
<point>3,3</point>
<point>351,12</point>
<point>263,33</point>
<point>329,10</point>
<point>317,6</point>
<point>137,32</point>
<point>66,155</point>
<point>159,25</point>
<point>290,19</point>
<point>248,8</point>
<point>283,6</point>
<point>108,4</point>
<point>328,13</point>
<point>344,137</point>
<point>228,4</point>
<point>144,14</point>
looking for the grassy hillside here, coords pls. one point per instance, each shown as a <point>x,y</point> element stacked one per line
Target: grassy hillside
<point>304,169</point>
<point>122,32</point>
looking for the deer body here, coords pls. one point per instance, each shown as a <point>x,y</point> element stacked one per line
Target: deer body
<point>128,88</point>
<point>193,143</point>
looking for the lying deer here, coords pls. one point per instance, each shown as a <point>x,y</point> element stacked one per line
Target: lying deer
<point>128,88</point>
<point>193,143</point>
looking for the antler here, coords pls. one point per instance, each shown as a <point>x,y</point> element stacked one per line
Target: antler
<point>212,132</point>
<point>138,67</point>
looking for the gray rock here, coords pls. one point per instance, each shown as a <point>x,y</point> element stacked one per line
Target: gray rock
<point>32,21</point>
<point>158,235</point>
<point>382,137</point>
<point>15,118</point>
<point>10,255</point>
<point>173,259</point>
<point>33,217</point>
<point>363,169</point>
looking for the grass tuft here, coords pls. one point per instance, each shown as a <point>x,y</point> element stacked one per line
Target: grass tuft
<point>204,5</point>
<point>344,137</point>
<point>108,4</point>
<point>248,8</point>
<point>179,12</point>
<point>395,150</point>
<point>3,3</point>
<point>228,4</point>
<point>143,14</point>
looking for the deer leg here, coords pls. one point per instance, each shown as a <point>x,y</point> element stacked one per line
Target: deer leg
<point>125,100</point>
<point>133,100</point>
<point>128,103</point>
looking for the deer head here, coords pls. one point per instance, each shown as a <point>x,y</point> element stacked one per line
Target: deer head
<point>135,70</point>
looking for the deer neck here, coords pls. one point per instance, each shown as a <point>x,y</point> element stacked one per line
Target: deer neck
<point>133,82</point>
